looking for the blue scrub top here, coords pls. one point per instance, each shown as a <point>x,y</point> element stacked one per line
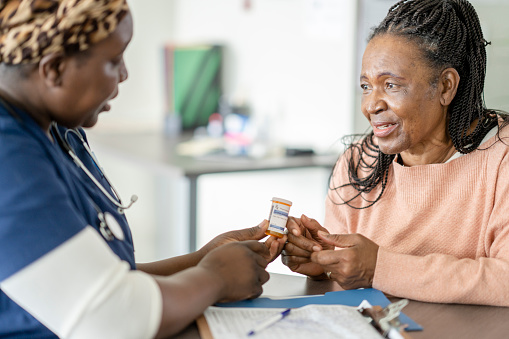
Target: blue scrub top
<point>45,199</point>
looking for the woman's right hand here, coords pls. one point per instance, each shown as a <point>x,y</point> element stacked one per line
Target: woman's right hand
<point>239,267</point>
<point>303,240</point>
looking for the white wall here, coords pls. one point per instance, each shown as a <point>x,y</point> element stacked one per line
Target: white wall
<point>140,102</point>
<point>292,60</point>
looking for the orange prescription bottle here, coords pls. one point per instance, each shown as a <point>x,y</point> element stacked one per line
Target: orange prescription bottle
<point>278,217</point>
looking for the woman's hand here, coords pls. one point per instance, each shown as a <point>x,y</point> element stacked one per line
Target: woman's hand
<point>275,245</point>
<point>303,240</point>
<point>352,264</point>
<point>240,268</point>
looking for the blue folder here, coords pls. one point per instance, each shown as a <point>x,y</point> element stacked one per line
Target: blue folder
<point>348,298</point>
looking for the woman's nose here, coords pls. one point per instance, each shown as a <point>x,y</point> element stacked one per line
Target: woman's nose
<point>373,104</point>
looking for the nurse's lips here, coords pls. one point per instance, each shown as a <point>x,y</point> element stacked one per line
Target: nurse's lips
<point>105,108</point>
<point>383,129</point>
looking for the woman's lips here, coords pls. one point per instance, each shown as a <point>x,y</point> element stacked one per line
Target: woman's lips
<point>382,130</point>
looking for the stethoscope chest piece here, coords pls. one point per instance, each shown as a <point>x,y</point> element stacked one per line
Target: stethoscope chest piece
<point>110,228</point>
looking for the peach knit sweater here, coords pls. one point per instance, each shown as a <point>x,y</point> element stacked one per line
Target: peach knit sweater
<point>443,229</point>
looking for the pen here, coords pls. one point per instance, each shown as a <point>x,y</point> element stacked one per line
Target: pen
<point>269,322</point>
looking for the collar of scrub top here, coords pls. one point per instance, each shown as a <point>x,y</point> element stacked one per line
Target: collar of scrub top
<point>64,143</point>
<point>10,110</point>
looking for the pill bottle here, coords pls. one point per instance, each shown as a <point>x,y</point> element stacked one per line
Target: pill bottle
<point>278,217</point>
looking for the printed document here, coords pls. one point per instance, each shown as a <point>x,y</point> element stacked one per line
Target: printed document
<point>311,321</point>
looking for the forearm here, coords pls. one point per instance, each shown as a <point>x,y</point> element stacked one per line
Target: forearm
<point>171,266</point>
<point>185,296</point>
<point>443,278</point>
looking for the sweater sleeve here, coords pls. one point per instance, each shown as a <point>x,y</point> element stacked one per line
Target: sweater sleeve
<point>449,279</point>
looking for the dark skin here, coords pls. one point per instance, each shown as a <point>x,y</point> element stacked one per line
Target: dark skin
<point>177,264</point>
<point>72,91</point>
<point>230,267</point>
<point>408,114</point>
<point>351,258</point>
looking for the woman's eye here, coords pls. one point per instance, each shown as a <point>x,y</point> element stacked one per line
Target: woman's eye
<point>364,87</point>
<point>390,85</point>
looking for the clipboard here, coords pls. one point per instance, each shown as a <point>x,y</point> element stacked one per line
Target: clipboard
<point>203,328</point>
<point>348,298</point>
<point>365,321</point>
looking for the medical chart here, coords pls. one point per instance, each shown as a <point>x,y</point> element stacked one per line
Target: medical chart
<point>312,321</point>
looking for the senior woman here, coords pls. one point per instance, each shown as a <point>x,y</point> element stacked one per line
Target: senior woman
<point>419,207</point>
<point>67,265</point>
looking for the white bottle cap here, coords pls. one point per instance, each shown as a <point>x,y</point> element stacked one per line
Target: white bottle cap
<point>284,201</point>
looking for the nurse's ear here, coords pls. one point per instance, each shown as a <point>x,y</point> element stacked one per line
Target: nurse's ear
<point>51,69</point>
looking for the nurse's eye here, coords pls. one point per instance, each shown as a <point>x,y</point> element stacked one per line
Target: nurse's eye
<point>117,61</point>
<point>390,85</point>
<point>364,87</point>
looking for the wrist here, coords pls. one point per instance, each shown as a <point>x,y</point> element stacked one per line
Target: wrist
<point>214,280</point>
<point>199,254</point>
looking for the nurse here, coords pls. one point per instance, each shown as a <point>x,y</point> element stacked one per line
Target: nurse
<point>67,265</point>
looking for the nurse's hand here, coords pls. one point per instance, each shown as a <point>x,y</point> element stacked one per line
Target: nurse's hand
<point>352,263</point>
<point>302,242</point>
<point>275,245</point>
<point>240,269</point>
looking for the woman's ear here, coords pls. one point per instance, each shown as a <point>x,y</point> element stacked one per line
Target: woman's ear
<point>51,69</point>
<point>449,80</point>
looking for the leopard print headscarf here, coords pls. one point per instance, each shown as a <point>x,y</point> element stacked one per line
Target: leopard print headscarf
<point>31,29</point>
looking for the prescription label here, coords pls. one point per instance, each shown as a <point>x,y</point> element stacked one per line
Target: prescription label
<point>278,217</point>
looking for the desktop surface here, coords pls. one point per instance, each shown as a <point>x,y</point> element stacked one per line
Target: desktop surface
<point>438,320</point>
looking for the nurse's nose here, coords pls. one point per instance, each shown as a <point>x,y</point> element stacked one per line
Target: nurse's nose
<point>123,72</point>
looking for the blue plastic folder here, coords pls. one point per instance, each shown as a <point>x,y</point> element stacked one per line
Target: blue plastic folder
<point>348,298</point>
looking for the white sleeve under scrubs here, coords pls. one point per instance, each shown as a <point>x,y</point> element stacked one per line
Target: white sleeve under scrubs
<point>58,276</point>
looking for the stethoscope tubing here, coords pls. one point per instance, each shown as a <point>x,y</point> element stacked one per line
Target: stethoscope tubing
<point>67,147</point>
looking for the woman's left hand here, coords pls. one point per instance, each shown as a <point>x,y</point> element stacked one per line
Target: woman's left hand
<point>275,245</point>
<point>352,264</point>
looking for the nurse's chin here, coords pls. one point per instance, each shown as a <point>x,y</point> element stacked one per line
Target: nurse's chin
<point>91,122</point>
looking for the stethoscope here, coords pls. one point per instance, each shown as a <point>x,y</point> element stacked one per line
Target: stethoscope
<point>64,142</point>
<point>108,225</point>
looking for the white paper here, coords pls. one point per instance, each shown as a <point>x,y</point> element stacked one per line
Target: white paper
<point>311,321</point>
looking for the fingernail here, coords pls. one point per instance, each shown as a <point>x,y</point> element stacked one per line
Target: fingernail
<point>295,232</point>
<point>317,248</point>
<point>322,233</point>
<point>305,218</point>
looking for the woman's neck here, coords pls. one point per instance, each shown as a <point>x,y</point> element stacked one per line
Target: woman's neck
<point>436,155</point>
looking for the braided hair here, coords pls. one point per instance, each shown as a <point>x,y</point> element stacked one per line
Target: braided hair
<point>449,35</point>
